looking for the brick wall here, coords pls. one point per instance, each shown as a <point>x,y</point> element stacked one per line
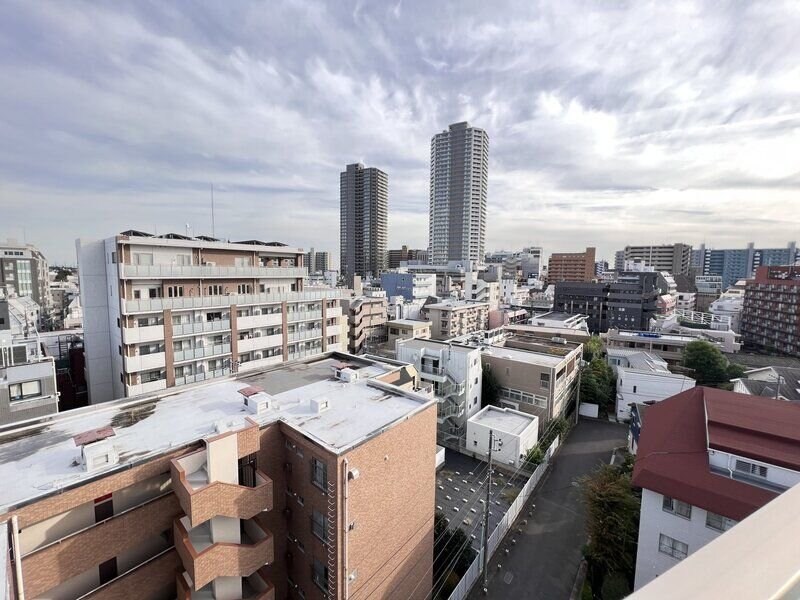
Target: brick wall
<point>152,581</point>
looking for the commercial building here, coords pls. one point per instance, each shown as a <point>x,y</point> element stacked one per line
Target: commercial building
<point>672,258</point>
<point>407,329</point>
<point>600,267</point>
<point>317,261</point>
<point>364,206</point>
<point>515,433</point>
<point>366,322</point>
<point>458,188</point>
<point>411,286</point>
<point>519,266</point>
<point>643,378</point>
<point>450,277</point>
<point>24,273</point>
<point>240,488</point>
<point>730,305</point>
<point>455,318</point>
<point>741,263</point>
<point>707,459</point>
<point>406,254</point>
<point>668,346</point>
<point>781,383</point>
<point>169,310</point>
<point>709,288</point>
<point>571,266</point>
<point>453,372</point>
<point>770,320</point>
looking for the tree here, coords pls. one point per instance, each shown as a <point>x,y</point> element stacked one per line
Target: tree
<point>735,371</point>
<point>708,363</point>
<point>452,551</point>
<point>612,524</point>
<point>593,348</point>
<point>490,388</point>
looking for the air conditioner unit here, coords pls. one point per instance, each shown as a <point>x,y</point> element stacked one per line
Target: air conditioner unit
<point>210,263</point>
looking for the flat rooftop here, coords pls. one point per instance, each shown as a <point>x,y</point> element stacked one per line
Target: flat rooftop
<point>420,343</point>
<point>409,323</point>
<point>650,335</point>
<point>505,420</point>
<point>41,458</point>
<point>523,356</point>
<point>458,304</point>
<point>557,316</point>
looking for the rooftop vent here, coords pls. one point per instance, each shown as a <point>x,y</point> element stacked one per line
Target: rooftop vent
<point>319,405</point>
<point>348,375</point>
<point>558,340</point>
<point>98,455</point>
<point>258,403</point>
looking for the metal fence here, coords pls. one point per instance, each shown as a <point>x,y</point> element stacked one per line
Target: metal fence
<point>475,569</point>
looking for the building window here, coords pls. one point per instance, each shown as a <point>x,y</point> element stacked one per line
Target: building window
<point>175,291</point>
<point>718,522</point>
<point>682,509</point>
<point>748,468</point>
<point>24,390</point>
<point>319,473</point>
<point>142,259</point>
<point>244,288</point>
<point>107,570</point>
<point>672,547</point>
<point>544,380</point>
<point>215,290</point>
<point>319,575</point>
<point>319,525</point>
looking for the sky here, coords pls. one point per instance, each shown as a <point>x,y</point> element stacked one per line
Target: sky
<point>610,123</point>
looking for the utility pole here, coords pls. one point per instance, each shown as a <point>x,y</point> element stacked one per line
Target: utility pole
<point>486,516</point>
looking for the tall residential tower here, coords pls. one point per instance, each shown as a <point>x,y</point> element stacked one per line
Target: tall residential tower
<point>459,179</point>
<point>364,194</point>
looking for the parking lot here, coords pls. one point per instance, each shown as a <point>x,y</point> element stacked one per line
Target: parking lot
<point>461,497</point>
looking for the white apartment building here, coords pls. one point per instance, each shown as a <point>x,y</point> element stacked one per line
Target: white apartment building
<point>162,311</point>
<point>684,301</point>
<point>456,318</point>
<point>515,433</point>
<point>730,304</point>
<point>455,373</point>
<point>478,290</point>
<point>643,378</point>
<point>707,459</point>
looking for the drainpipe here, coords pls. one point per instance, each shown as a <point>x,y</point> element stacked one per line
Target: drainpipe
<point>17,557</point>
<point>346,530</point>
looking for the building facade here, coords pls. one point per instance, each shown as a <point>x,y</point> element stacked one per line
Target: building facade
<point>741,263</point>
<point>515,433</point>
<point>734,454</point>
<point>458,188</point>
<point>246,488</point>
<point>171,310</point>
<point>453,319</point>
<point>317,261</point>
<point>770,317</point>
<point>24,273</point>
<point>364,215</point>
<point>406,254</point>
<point>571,266</point>
<point>672,258</point>
<point>411,286</point>
<point>366,322</point>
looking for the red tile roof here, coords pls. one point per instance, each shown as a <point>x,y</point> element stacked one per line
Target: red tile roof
<point>672,457</point>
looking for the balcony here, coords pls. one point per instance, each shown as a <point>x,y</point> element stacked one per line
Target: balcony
<point>198,302</point>
<point>205,560</point>
<point>156,572</point>
<point>145,362</point>
<point>304,315</point>
<point>202,352</point>
<point>208,272</point>
<point>255,587</point>
<point>259,342</point>
<point>255,321</point>
<point>447,410</point>
<point>333,313</point>
<point>202,500</point>
<point>197,377</point>
<point>200,327</point>
<point>307,334</point>
<point>140,335</point>
<point>258,363</point>
<point>301,354</point>
<point>147,387</point>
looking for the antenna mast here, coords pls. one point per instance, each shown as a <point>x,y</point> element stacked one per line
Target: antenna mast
<point>212,211</point>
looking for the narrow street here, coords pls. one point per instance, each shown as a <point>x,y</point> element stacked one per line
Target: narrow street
<point>544,560</point>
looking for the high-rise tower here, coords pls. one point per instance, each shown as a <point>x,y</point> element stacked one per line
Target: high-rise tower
<point>364,194</point>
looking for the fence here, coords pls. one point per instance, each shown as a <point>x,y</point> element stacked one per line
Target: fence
<point>475,569</point>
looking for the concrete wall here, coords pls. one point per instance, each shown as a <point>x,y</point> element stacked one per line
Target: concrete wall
<point>639,387</point>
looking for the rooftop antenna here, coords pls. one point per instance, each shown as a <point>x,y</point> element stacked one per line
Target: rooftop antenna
<point>213,234</point>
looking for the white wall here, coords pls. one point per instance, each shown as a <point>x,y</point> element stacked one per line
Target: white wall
<point>513,445</point>
<point>639,387</point>
<point>114,315</point>
<point>775,475</point>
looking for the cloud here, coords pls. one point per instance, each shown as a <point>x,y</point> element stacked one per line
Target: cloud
<point>608,124</point>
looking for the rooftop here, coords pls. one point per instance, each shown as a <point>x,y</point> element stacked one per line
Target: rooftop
<point>409,323</point>
<point>420,343</point>
<point>530,357</point>
<point>457,304</point>
<point>505,420</point>
<point>557,316</point>
<point>673,459</point>
<point>42,458</point>
<point>652,335</point>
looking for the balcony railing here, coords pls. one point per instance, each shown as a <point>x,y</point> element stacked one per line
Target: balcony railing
<point>201,327</point>
<point>196,377</point>
<point>308,334</point>
<point>202,352</point>
<point>192,302</point>
<point>208,272</point>
<point>304,315</point>
<point>202,500</point>
<point>205,560</point>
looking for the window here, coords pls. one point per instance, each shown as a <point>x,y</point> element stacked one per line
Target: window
<point>634,389</point>
<point>215,290</point>
<point>718,522</point>
<point>672,547</point>
<point>748,468</point>
<point>142,259</point>
<point>544,380</point>
<point>24,390</point>
<point>677,507</point>
<point>108,570</point>
<point>319,525</point>
<point>154,293</point>
<point>175,291</point>
<point>137,294</point>
<point>244,288</point>
<point>319,473</point>
<point>319,575</point>
<point>183,260</point>
<point>214,316</point>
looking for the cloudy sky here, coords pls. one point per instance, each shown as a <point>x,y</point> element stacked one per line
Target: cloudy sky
<point>610,122</point>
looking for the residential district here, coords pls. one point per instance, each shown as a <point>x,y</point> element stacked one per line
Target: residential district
<point>196,417</point>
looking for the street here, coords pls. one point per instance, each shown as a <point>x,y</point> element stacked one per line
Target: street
<point>544,560</point>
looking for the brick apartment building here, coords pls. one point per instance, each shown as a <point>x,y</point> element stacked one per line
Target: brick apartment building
<point>770,320</point>
<point>366,322</point>
<point>571,266</point>
<point>168,310</point>
<point>311,480</point>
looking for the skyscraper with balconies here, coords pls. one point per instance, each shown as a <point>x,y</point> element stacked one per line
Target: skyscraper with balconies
<point>364,213</point>
<point>458,187</point>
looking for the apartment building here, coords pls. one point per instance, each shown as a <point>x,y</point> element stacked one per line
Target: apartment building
<point>24,273</point>
<point>456,318</point>
<point>519,266</point>
<point>364,215</point>
<point>741,263</point>
<point>411,286</point>
<point>770,317</point>
<point>733,454</point>
<point>514,433</point>
<point>406,254</point>
<point>571,266</point>
<point>454,373</point>
<point>317,261</point>
<point>163,311</point>
<point>667,346</point>
<point>27,376</point>
<point>407,329</point>
<point>366,322</point>
<point>478,289</point>
<point>247,487</point>
<point>672,258</point>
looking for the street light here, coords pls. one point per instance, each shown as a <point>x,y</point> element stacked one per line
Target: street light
<point>581,364</point>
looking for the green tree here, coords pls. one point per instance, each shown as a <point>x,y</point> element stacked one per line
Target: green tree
<point>709,364</point>
<point>590,388</point>
<point>593,348</point>
<point>490,387</point>
<point>452,551</point>
<point>612,524</point>
<point>735,371</point>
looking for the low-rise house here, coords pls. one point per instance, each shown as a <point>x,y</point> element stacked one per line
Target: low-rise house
<point>668,346</point>
<point>407,329</point>
<point>781,383</point>
<point>515,433</point>
<point>707,459</point>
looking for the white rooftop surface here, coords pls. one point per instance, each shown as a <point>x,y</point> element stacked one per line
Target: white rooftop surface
<point>503,419</point>
<point>410,323</point>
<point>42,458</point>
<point>524,356</point>
<point>458,304</point>
<point>644,361</point>
<point>655,336</point>
<point>421,343</point>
